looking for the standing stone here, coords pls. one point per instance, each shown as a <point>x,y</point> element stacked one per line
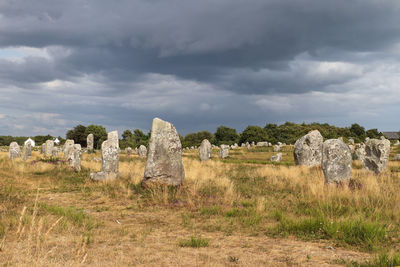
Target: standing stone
<point>15,151</point>
<point>359,152</point>
<point>277,157</point>
<point>109,158</point>
<point>48,150</point>
<point>336,161</point>
<point>205,150</point>
<point>74,157</point>
<point>376,155</point>
<point>261,144</point>
<point>54,152</point>
<point>164,158</point>
<point>142,151</point>
<point>43,148</point>
<point>352,148</point>
<point>351,141</point>
<point>128,151</point>
<point>253,143</point>
<point>223,151</point>
<point>277,148</point>
<point>68,146</point>
<point>27,151</point>
<point>308,149</point>
<point>248,146</point>
<point>90,142</point>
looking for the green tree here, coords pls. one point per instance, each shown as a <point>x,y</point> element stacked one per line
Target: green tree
<point>372,133</point>
<point>78,135</point>
<point>99,135</point>
<point>226,135</point>
<point>253,133</point>
<point>195,139</point>
<point>40,139</point>
<point>358,132</point>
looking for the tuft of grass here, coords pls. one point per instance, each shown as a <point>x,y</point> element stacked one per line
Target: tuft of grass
<point>194,242</point>
<point>381,260</point>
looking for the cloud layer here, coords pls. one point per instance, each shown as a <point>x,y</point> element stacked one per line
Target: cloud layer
<point>198,64</point>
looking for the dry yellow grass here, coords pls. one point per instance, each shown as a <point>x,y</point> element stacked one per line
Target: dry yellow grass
<point>249,213</point>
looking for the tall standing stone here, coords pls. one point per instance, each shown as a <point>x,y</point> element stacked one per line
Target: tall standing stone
<point>359,152</point>
<point>336,161</point>
<point>74,157</point>
<point>43,148</point>
<point>128,151</point>
<point>223,151</point>
<point>277,157</point>
<point>376,155</point>
<point>164,158</point>
<point>205,150</point>
<point>308,149</point>
<point>68,146</point>
<point>15,151</point>
<point>90,142</point>
<point>27,151</point>
<point>142,151</point>
<point>109,158</point>
<point>48,148</point>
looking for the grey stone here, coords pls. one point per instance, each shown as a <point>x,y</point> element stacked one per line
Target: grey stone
<point>277,148</point>
<point>74,158</point>
<point>68,147</point>
<point>109,158</point>
<point>308,149</point>
<point>352,148</point>
<point>223,151</point>
<point>359,152</point>
<point>277,157</point>
<point>128,151</point>
<point>142,151</point>
<point>164,158</point>
<point>205,150</point>
<point>15,151</point>
<point>27,151</point>
<point>376,155</point>
<point>48,149</point>
<point>351,141</point>
<point>90,142</point>
<point>336,161</point>
<point>54,152</point>
<point>261,144</point>
<point>43,148</point>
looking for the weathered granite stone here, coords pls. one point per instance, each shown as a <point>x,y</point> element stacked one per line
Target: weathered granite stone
<point>128,151</point>
<point>109,158</point>
<point>205,150</point>
<point>376,155</point>
<point>48,149</point>
<point>277,157</point>
<point>359,152</point>
<point>336,161</point>
<point>164,158</point>
<point>27,151</point>
<point>261,144</point>
<point>43,148</point>
<point>74,157</point>
<point>351,141</point>
<point>90,142</point>
<point>308,149</point>
<point>142,151</point>
<point>54,152</point>
<point>223,151</point>
<point>68,147</point>
<point>15,151</point>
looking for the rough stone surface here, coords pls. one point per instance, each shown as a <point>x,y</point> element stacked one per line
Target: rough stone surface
<point>27,151</point>
<point>223,151</point>
<point>54,152</point>
<point>205,150</point>
<point>109,158</point>
<point>277,157</point>
<point>68,147</point>
<point>90,142</point>
<point>351,141</point>
<point>15,151</point>
<point>74,157</point>
<point>48,149</point>
<point>359,152</point>
<point>376,155</point>
<point>142,151</point>
<point>128,151</point>
<point>308,149</point>
<point>336,161</point>
<point>164,158</point>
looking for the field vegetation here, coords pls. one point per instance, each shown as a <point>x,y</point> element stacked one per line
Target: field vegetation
<point>240,211</point>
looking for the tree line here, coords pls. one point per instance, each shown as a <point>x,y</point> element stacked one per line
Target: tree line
<point>287,133</point>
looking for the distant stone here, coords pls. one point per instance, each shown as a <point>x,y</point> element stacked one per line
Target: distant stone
<point>54,152</point>
<point>49,147</point>
<point>308,149</point>
<point>164,159</point>
<point>43,148</point>
<point>243,145</point>
<point>90,142</point>
<point>261,144</point>
<point>253,143</point>
<point>74,158</point>
<point>68,147</point>
<point>351,141</point>
<point>277,148</point>
<point>142,151</point>
<point>128,151</point>
<point>205,150</point>
<point>336,161</point>
<point>359,152</point>
<point>248,146</point>
<point>277,157</point>
<point>376,155</point>
<point>27,151</point>
<point>109,158</point>
<point>15,151</point>
<point>352,148</point>
<point>223,151</point>
<point>397,143</point>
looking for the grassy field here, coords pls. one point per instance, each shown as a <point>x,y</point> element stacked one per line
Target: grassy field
<point>241,211</point>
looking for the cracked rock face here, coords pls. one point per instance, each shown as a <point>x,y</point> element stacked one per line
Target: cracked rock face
<point>308,149</point>
<point>164,157</point>
<point>205,150</point>
<point>336,161</point>
<point>376,155</point>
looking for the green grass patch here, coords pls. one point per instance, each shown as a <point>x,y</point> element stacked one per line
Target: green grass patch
<point>194,242</point>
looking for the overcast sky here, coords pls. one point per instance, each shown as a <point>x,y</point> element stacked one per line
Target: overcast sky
<point>197,64</point>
